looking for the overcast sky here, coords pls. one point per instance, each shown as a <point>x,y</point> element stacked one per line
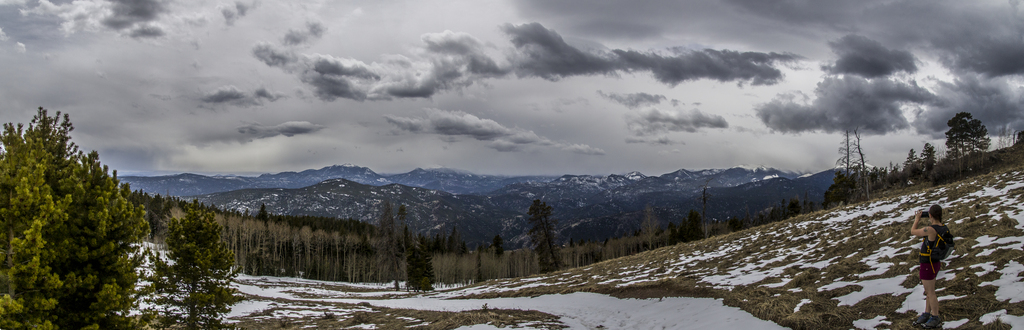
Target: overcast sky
<point>507,86</point>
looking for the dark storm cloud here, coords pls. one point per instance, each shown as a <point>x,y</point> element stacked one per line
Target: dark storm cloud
<point>127,13</point>
<point>461,50</point>
<point>452,61</point>
<point>272,56</point>
<point>996,102</point>
<point>721,65</point>
<point>333,78</point>
<point>991,55</point>
<point>868,58</point>
<point>289,129</point>
<point>543,53</point>
<point>453,124</point>
<point>846,103</point>
<point>234,96</point>
<point>634,100</point>
<point>313,31</point>
<point>655,121</point>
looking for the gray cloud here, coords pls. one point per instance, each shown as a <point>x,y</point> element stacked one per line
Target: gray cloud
<point>314,30</point>
<point>146,31</point>
<point>333,78</point>
<point>996,102</point>
<point>234,96</point>
<point>264,93</point>
<point>661,140</point>
<point>991,55</point>
<point>451,61</point>
<point>273,56</point>
<point>721,65</point>
<point>127,13</point>
<point>289,129</point>
<point>655,121</point>
<point>543,53</point>
<point>635,100</point>
<point>847,103</point>
<point>233,13</point>
<point>868,58</point>
<point>453,124</point>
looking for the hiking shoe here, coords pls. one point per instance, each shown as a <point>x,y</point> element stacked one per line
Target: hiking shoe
<point>934,322</point>
<point>923,318</point>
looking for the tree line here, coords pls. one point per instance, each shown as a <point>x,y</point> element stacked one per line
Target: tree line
<point>966,152</point>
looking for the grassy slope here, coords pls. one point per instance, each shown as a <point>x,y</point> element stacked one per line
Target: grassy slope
<point>842,265</point>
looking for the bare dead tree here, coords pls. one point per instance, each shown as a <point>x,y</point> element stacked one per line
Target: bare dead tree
<point>704,195</point>
<point>862,167</point>
<point>844,153</point>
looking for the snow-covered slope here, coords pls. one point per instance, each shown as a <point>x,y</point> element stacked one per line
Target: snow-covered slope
<point>843,268</point>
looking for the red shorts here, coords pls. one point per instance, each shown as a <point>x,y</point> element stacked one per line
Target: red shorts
<point>929,270</point>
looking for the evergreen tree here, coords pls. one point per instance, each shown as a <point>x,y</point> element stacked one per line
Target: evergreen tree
<point>26,207</point>
<point>389,251</point>
<point>735,224</point>
<point>95,252</point>
<point>193,287</point>
<point>840,191</point>
<point>928,157</point>
<point>692,230</point>
<point>419,268</point>
<point>965,136</point>
<point>793,208</point>
<point>542,235</point>
<point>911,165</point>
<point>498,244</point>
<point>262,215</point>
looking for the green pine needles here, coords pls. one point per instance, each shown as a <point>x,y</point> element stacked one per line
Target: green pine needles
<point>70,238</point>
<point>193,286</point>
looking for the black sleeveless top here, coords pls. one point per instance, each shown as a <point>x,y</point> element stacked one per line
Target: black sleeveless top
<point>925,243</point>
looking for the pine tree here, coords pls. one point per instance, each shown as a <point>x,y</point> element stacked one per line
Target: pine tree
<point>965,137</point>
<point>928,157</point>
<point>498,244</point>
<point>389,251</point>
<point>840,191</point>
<point>542,235</point>
<point>193,287</point>
<point>95,252</point>
<point>692,230</point>
<point>793,208</point>
<point>26,207</point>
<point>419,270</point>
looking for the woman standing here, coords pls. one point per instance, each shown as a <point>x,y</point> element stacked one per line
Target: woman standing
<point>930,266</point>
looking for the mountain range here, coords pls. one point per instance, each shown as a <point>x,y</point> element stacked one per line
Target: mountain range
<point>588,207</point>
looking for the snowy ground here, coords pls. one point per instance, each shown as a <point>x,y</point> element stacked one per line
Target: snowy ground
<point>854,267</point>
<point>861,252</point>
<point>291,298</point>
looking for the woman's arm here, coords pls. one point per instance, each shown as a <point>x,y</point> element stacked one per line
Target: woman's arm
<point>926,231</point>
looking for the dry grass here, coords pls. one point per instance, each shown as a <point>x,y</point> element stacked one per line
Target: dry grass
<point>976,216</point>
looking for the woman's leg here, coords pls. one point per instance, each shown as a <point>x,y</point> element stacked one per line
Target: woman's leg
<point>931,300</point>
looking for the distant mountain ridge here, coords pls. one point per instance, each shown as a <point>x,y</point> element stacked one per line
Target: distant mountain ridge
<point>587,206</point>
<point>444,179</point>
<point>449,180</point>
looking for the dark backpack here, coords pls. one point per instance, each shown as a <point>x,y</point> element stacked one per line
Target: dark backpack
<point>944,244</point>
